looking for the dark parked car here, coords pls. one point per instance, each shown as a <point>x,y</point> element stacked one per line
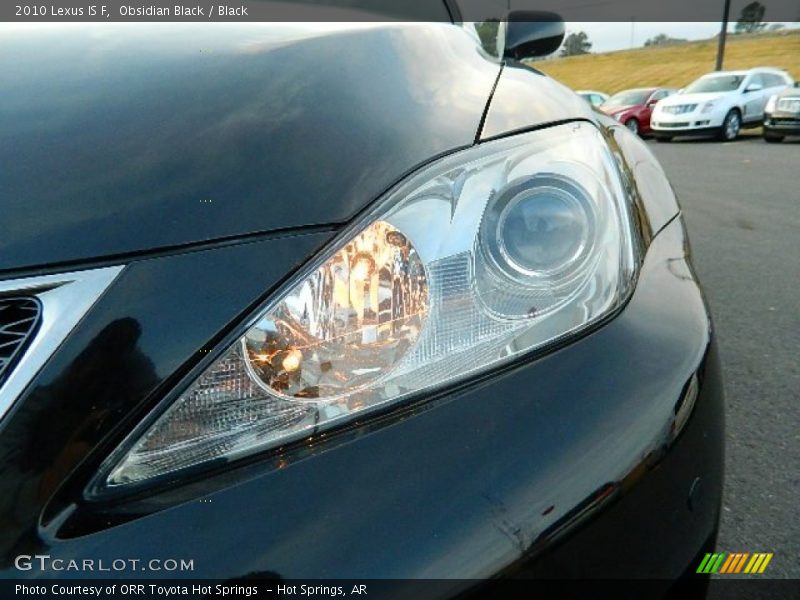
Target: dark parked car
<point>302,302</point>
<point>782,114</point>
<point>633,108</point>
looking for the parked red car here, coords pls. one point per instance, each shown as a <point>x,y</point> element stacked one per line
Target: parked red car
<point>633,107</point>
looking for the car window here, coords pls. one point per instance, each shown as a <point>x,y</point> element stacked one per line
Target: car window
<point>660,95</point>
<point>628,98</point>
<point>757,79</point>
<point>715,83</point>
<point>771,80</point>
<point>597,100</point>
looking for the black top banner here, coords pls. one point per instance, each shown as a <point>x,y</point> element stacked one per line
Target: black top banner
<point>383,10</point>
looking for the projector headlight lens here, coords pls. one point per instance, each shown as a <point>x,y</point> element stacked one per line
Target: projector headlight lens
<point>540,226</point>
<point>481,256</point>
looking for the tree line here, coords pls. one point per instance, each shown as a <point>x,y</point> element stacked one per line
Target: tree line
<point>751,20</point>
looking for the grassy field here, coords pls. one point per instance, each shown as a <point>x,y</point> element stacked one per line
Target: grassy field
<point>674,66</point>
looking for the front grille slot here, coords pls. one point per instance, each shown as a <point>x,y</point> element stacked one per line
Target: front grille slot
<point>19,321</point>
<point>783,122</point>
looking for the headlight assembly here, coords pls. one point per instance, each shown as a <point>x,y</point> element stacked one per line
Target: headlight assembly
<point>479,257</point>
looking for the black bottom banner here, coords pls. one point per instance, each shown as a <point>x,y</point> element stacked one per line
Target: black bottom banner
<point>385,589</point>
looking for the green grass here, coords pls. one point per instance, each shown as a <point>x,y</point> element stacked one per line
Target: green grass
<point>676,65</point>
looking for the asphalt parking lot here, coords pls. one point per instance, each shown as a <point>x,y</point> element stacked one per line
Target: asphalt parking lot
<point>741,202</point>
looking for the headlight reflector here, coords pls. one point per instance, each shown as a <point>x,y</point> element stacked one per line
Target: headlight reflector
<point>477,258</point>
<point>346,324</point>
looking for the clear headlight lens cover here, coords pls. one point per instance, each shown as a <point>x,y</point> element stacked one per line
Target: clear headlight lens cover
<point>479,257</point>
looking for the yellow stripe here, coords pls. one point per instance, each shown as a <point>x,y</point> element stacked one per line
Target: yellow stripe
<point>765,563</point>
<point>751,563</point>
<point>742,561</point>
<point>759,559</point>
<point>725,566</point>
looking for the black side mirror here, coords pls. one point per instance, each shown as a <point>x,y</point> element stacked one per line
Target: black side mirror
<point>532,33</point>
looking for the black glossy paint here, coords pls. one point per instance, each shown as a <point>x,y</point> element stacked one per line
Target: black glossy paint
<point>572,464</point>
<point>646,178</point>
<point>159,317</point>
<point>463,488</point>
<point>120,139</point>
<point>525,98</point>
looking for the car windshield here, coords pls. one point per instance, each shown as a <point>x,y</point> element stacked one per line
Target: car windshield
<point>720,83</point>
<point>628,98</point>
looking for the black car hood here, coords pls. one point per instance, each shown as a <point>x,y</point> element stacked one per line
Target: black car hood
<point>117,139</point>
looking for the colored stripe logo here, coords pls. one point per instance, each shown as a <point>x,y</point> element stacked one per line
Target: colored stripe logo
<point>735,562</point>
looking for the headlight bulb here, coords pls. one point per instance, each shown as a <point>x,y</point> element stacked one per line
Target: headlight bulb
<point>347,324</point>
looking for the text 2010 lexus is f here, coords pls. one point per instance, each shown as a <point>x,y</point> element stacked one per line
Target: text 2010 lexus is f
<point>341,301</point>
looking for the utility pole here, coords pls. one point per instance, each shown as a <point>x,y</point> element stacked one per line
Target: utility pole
<point>723,32</point>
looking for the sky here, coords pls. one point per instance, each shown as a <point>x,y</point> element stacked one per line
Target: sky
<point>617,36</point>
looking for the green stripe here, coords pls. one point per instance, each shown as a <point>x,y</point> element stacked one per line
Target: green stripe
<point>719,562</point>
<point>701,568</point>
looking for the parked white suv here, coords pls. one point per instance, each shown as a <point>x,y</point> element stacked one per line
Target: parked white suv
<point>720,103</point>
